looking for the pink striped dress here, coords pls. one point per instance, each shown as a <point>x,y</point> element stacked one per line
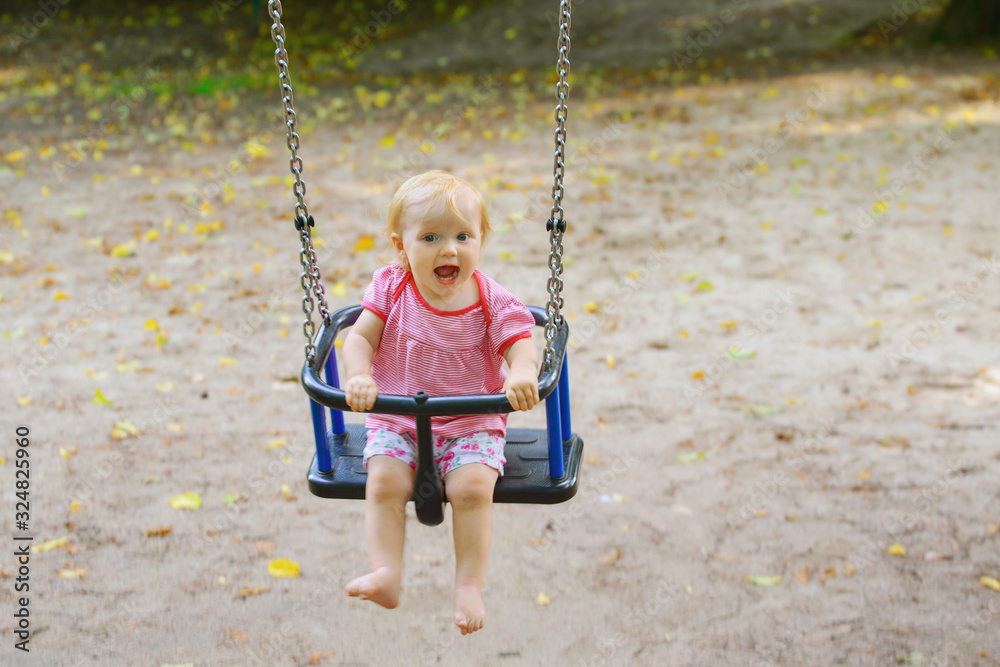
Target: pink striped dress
<point>442,352</point>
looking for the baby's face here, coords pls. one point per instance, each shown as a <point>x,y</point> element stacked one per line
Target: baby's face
<point>442,248</point>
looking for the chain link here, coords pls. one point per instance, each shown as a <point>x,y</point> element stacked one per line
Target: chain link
<point>310,280</point>
<point>557,220</point>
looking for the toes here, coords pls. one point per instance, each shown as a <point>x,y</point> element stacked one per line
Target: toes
<point>360,588</point>
<point>468,626</point>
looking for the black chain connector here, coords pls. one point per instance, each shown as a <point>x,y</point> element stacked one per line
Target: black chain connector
<point>561,226</point>
<point>302,221</point>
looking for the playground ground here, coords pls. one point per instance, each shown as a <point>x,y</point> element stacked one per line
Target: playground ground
<point>782,292</point>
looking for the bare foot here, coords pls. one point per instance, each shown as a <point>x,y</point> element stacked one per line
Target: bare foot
<point>470,614</point>
<point>381,587</point>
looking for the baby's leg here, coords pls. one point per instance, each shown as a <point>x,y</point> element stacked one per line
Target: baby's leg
<point>470,492</point>
<point>389,487</point>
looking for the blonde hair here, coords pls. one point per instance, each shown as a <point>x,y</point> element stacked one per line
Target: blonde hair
<point>435,185</point>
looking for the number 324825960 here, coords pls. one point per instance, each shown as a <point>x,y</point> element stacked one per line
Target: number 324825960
<point>22,475</point>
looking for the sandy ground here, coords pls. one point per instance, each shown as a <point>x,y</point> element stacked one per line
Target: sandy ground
<point>771,381</point>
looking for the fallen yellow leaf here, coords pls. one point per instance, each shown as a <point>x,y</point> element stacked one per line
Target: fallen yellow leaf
<point>282,567</point>
<point>227,361</point>
<point>186,501</point>
<point>896,550</point>
<point>124,429</point>
<point>50,545</point>
<point>543,599</point>
<point>99,398</point>
<point>365,243</point>
<point>693,457</point>
<point>123,249</point>
<point>72,574</point>
<point>991,583</point>
<point>255,149</point>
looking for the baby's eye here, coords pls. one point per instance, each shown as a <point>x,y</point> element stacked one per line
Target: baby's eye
<point>463,237</point>
<point>430,238</point>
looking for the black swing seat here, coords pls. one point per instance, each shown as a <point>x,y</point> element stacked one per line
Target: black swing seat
<point>337,470</point>
<point>525,479</point>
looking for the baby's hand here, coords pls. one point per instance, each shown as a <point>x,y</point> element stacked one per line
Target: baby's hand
<point>522,389</point>
<point>361,392</point>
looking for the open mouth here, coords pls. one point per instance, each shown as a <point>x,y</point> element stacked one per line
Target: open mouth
<point>446,274</point>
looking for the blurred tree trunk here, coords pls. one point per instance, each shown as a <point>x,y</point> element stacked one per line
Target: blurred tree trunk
<point>968,20</point>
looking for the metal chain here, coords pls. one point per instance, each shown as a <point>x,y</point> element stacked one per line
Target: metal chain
<point>556,224</point>
<point>310,280</point>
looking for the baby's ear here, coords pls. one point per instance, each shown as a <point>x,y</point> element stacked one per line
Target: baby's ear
<point>397,243</point>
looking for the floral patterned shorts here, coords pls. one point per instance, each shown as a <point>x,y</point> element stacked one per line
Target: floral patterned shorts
<point>484,447</point>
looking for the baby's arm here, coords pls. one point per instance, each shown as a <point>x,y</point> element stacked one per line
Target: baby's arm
<point>359,349</point>
<point>522,383</point>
